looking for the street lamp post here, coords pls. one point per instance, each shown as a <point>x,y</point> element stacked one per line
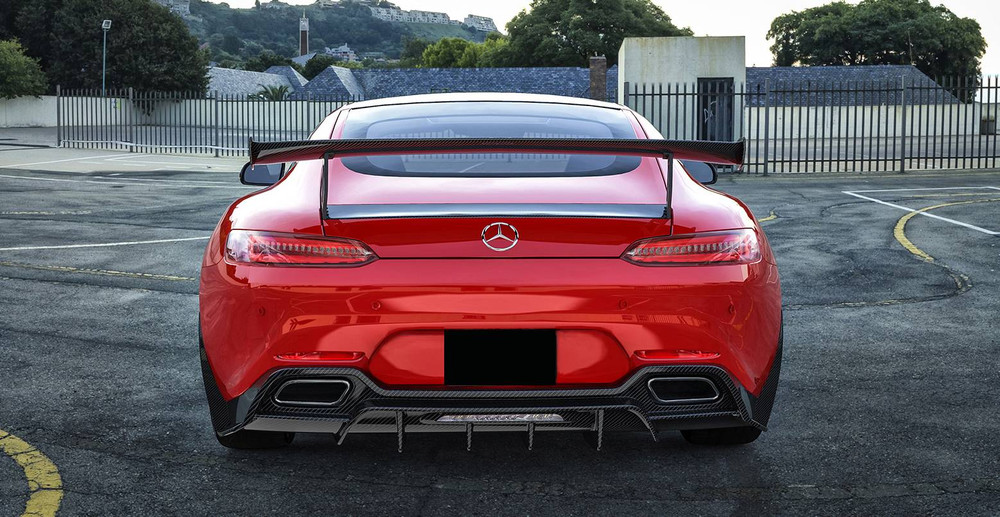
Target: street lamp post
<point>105,26</point>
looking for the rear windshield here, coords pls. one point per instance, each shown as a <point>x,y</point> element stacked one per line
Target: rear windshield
<point>489,120</point>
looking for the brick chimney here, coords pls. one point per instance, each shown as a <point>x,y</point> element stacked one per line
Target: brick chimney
<point>303,35</point>
<point>599,78</point>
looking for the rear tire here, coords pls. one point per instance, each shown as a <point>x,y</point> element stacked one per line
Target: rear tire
<point>256,440</point>
<point>724,436</point>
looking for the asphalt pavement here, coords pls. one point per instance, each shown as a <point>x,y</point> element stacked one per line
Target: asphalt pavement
<point>887,401</point>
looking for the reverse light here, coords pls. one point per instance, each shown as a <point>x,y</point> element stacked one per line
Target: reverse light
<point>250,247</point>
<point>726,247</point>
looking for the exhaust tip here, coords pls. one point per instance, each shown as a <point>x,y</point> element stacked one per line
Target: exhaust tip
<point>312,392</point>
<point>683,390</point>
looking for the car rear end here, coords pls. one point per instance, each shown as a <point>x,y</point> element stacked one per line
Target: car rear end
<point>473,292</point>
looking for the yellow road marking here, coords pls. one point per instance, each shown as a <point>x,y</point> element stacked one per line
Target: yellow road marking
<point>900,230</point>
<point>44,482</point>
<point>772,216</point>
<point>103,272</point>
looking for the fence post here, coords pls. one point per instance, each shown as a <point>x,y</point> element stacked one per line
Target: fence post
<point>130,119</point>
<point>625,94</point>
<point>216,124</point>
<point>902,140</point>
<point>767,124</point>
<point>58,116</point>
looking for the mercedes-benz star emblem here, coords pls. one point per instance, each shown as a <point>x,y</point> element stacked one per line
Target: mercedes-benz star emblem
<point>499,236</point>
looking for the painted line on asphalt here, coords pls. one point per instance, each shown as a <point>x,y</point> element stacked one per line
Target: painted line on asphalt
<point>162,183</point>
<point>101,272</point>
<point>770,217</point>
<point>103,244</point>
<point>923,213</point>
<point>17,165</point>
<point>928,188</point>
<point>967,194</point>
<point>44,482</point>
<point>900,230</point>
<point>154,181</point>
<point>133,159</point>
<point>42,212</point>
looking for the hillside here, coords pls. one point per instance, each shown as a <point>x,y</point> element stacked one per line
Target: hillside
<point>242,33</point>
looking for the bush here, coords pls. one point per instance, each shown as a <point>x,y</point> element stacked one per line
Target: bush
<point>20,75</point>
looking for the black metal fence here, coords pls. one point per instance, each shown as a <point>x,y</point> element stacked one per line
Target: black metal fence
<point>897,125</point>
<point>183,122</point>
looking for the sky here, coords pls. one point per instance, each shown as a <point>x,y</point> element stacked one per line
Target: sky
<point>750,18</point>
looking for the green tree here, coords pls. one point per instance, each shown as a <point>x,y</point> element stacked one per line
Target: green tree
<point>413,51</point>
<point>19,74</point>
<point>266,59</point>
<point>148,48</point>
<point>568,32</point>
<point>879,32</point>
<point>317,64</point>
<point>449,53</point>
<point>272,93</point>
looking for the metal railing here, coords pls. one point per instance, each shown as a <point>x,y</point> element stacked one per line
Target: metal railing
<point>896,125</point>
<point>183,122</point>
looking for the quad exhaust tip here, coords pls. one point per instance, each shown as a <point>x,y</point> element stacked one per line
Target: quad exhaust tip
<point>683,390</point>
<point>312,392</point>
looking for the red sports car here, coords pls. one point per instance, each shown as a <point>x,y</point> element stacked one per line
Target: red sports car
<point>485,262</point>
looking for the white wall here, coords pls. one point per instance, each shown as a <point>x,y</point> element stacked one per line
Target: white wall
<point>656,62</point>
<point>28,112</point>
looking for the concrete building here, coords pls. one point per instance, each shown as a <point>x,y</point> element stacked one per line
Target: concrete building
<point>715,67</point>
<point>480,23</point>
<point>342,53</point>
<point>181,7</point>
<point>393,14</point>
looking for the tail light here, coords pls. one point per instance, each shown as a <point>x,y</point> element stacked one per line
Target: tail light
<point>727,247</point>
<point>249,247</point>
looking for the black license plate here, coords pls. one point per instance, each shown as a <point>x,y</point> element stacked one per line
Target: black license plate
<point>500,357</point>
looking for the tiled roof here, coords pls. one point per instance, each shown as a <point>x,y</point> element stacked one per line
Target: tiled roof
<point>303,59</point>
<point>294,77</point>
<point>228,81</point>
<point>334,82</point>
<point>843,85</point>
<point>373,83</point>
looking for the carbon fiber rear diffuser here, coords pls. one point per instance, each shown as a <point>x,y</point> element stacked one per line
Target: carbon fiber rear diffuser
<point>596,438</point>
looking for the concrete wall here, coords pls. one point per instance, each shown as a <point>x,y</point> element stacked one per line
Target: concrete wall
<point>28,112</point>
<point>656,62</point>
<point>867,121</point>
<point>680,60</point>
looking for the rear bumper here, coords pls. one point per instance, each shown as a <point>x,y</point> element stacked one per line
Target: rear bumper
<point>367,407</point>
<point>393,313</point>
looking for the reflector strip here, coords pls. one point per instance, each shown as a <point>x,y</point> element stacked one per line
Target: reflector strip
<point>502,418</point>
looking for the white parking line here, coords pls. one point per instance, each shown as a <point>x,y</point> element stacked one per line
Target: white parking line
<point>926,214</point>
<point>134,162</point>
<point>161,183</point>
<point>16,165</point>
<point>103,245</point>
<point>929,188</point>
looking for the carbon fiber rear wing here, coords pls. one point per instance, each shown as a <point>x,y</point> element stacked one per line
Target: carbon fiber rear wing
<point>728,153</point>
